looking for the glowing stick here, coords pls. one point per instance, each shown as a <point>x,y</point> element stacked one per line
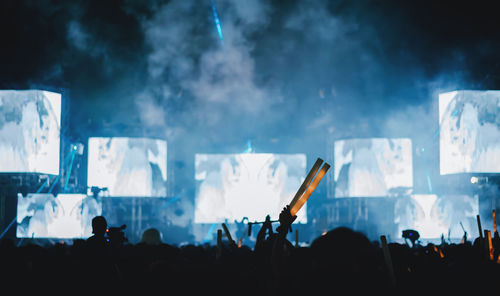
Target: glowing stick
<point>438,251</point>
<point>298,205</point>
<point>489,246</point>
<point>306,182</point>
<point>494,221</point>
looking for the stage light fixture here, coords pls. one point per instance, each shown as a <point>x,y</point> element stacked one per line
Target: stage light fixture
<point>78,148</point>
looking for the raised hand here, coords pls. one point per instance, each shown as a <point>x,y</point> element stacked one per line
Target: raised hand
<point>286,219</point>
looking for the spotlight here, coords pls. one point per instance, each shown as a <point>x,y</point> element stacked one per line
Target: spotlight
<point>479,180</point>
<point>78,148</point>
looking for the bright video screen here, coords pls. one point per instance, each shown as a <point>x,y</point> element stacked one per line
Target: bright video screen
<point>29,131</point>
<point>230,187</point>
<point>372,167</point>
<point>64,216</point>
<point>128,166</point>
<point>432,215</point>
<point>469,132</point>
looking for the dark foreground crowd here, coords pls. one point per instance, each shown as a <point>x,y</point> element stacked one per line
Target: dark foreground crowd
<point>340,262</point>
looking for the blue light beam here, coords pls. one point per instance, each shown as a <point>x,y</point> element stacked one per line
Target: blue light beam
<point>249,148</point>
<point>208,237</point>
<point>73,153</point>
<point>217,22</point>
<point>8,227</point>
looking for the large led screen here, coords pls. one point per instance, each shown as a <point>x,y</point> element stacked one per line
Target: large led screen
<point>469,123</point>
<point>63,216</point>
<point>29,131</point>
<point>372,167</point>
<point>128,166</point>
<point>434,216</point>
<point>230,187</point>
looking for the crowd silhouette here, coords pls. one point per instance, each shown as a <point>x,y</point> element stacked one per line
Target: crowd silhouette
<point>341,261</point>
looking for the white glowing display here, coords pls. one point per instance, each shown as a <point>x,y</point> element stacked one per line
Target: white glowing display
<point>372,167</point>
<point>434,216</point>
<point>469,132</point>
<point>64,216</point>
<point>128,166</point>
<point>29,131</point>
<point>253,185</point>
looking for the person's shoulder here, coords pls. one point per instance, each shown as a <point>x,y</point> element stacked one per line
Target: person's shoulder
<point>96,240</point>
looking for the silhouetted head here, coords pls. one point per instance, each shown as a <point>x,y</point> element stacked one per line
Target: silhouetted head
<point>343,248</point>
<point>151,236</point>
<point>99,225</point>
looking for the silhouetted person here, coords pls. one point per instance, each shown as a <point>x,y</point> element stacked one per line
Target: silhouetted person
<point>101,261</point>
<point>280,247</point>
<point>99,228</point>
<point>151,237</point>
<point>98,246</point>
<point>346,259</point>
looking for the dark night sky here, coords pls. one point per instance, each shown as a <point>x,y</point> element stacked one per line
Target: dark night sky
<point>288,70</point>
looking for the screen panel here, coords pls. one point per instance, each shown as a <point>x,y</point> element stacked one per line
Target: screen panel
<point>432,215</point>
<point>469,123</point>
<point>128,166</point>
<point>29,131</point>
<point>372,167</point>
<point>230,187</point>
<point>65,216</point>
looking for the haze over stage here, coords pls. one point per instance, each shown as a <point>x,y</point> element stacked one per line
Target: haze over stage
<point>252,185</point>
<point>281,77</point>
<point>30,123</point>
<point>128,166</point>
